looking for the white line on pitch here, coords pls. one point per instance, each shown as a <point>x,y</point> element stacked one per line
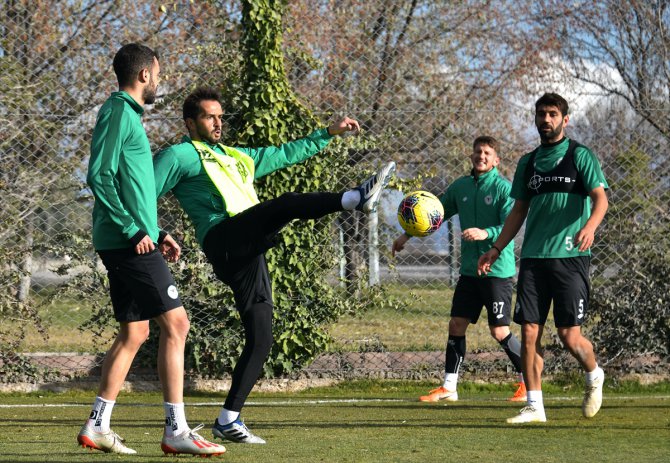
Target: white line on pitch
<point>320,402</point>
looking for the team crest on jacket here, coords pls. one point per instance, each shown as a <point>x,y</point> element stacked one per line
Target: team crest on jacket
<point>488,199</point>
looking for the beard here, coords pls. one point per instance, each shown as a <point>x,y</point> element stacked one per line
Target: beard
<point>552,134</point>
<point>149,92</point>
<point>210,137</point>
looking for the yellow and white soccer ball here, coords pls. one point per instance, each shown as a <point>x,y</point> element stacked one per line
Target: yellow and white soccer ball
<point>420,213</point>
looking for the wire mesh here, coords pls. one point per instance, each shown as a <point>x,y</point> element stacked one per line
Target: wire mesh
<point>423,78</point>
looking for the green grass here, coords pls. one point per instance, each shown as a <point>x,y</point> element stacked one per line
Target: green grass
<point>386,424</point>
<point>61,319</point>
<point>420,323</point>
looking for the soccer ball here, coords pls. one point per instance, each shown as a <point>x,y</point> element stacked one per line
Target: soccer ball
<point>420,213</point>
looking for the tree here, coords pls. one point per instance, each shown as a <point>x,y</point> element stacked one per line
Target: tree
<point>620,48</point>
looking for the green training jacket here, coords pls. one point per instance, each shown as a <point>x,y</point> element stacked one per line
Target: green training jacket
<point>485,203</point>
<point>179,168</point>
<point>121,177</point>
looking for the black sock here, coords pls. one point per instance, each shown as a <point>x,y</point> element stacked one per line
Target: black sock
<point>512,348</point>
<point>455,354</point>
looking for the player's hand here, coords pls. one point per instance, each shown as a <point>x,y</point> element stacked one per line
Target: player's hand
<point>475,234</point>
<point>486,261</point>
<point>145,246</point>
<point>170,249</point>
<point>585,238</point>
<point>399,244</point>
<point>345,125</point>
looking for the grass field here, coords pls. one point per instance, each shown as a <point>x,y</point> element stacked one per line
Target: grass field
<point>421,323</point>
<point>361,422</point>
<point>422,309</point>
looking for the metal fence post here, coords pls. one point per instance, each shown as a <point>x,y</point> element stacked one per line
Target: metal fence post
<point>373,248</point>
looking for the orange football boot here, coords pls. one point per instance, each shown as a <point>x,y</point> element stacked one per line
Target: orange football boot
<point>441,393</point>
<point>520,394</point>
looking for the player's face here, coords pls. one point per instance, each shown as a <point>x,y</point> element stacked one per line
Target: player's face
<point>550,123</point>
<point>484,158</point>
<point>209,123</point>
<point>149,92</point>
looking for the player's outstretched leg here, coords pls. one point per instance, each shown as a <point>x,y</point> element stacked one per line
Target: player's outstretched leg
<point>371,188</point>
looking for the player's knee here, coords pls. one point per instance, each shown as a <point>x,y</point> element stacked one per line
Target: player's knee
<point>264,339</point>
<point>175,324</point>
<point>458,326</point>
<point>136,336</point>
<point>499,333</point>
<point>258,327</point>
<point>570,338</point>
<point>181,327</point>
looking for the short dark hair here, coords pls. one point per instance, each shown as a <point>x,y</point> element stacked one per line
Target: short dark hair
<point>553,99</point>
<point>486,140</point>
<point>191,107</point>
<point>130,60</point>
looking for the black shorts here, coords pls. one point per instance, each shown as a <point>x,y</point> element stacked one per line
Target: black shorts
<point>140,285</point>
<point>565,282</point>
<point>246,274</point>
<point>473,293</point>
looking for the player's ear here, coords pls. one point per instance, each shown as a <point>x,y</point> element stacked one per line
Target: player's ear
<point>144,76</point>
<point>190,124</point>
<point>496,160</point>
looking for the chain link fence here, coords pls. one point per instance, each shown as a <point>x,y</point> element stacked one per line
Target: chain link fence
<point>423,78</point>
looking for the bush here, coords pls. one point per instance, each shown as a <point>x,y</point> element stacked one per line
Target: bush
<point>631,309</point>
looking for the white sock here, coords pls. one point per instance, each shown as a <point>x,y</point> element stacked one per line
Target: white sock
<point>175,419</point>
<point>535,399</point>
<point>450,381</point>
<point>521,378</point>
<point>100,415</point>
<point>593,375</point>
<point>350,200</point>
<point>227,416</point>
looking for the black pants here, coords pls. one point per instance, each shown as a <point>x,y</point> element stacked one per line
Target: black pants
<point>235,247</point>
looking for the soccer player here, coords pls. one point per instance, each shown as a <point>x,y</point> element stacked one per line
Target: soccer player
<point>127,238</point>
<point>214,185</point>
<point>482,203</point>
<point>559,190</point>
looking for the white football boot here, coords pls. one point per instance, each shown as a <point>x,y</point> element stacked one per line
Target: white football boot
<point>593,396</point>
<point>528,414</point>
<point>191,443</point>
<point>108,442</point>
